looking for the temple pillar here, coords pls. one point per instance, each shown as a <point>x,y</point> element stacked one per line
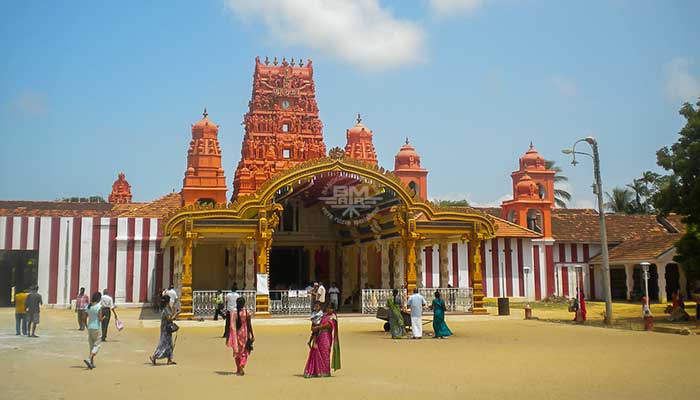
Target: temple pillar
<point>384,267</point>
<point>444,264</point>
<point>411,276</point>
<point>186,293</point>
<point>396,262</point>
<point>362,254</point>
<point>346,288</point>
<point>240,265</point>
<point>231,265</point>
<point>418,251</point>
<point>262,299</point>
<point>629,275</point>
<point>477,281</point>
<point>249,266</point>
<point>661,281</point>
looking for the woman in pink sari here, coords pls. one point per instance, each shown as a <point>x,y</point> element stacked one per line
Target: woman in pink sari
<point>319,363</point>
<point>240,337</point>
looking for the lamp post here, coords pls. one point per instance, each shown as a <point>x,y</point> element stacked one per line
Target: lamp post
<point>645,268</point>
<point>598,190</point>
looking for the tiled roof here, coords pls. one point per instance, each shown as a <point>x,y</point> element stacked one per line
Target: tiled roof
<point>644,248</point>
<point>509,229</point>
<point>581,225</point>
<point>493,211</point>
<point>154,209</point>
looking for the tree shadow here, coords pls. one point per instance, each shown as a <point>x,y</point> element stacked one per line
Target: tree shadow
<point>224,373</point>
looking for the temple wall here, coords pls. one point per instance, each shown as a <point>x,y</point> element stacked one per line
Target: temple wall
<point>209,271</point>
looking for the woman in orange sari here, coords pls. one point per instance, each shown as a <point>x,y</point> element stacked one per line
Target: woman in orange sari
<point>240,338</point>
<point>319,362</point>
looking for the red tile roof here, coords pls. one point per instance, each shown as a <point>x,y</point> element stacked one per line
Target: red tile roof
<point>636,250</point>
<point>581,225</point>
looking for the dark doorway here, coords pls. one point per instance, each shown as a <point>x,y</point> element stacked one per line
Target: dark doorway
<point>618,283</point>
<point>638,276</point>
<point>672,280</point>
<point>18,271</point>
<point>288,268</point>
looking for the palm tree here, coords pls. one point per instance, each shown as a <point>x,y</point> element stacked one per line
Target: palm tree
<point>620,201</point>
<point>561,196</point>
<point>640,190</point>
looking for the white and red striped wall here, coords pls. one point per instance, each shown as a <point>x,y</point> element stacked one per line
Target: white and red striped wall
<point>122,255</point>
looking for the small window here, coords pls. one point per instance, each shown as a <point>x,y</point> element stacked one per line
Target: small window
<point>285,127</point>
<point>286,153</point>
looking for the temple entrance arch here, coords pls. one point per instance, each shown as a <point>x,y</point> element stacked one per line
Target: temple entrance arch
<point>343,212</point>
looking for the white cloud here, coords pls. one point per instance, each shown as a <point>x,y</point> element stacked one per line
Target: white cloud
<point>360,32</point>
<point>451,7</point>
<point>680,83</point>
<point>565,87</point>
<point>31,103</point>
<point>466,196</point>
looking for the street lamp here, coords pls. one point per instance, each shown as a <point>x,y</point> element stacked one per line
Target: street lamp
<point>645,268</point>
<point>598,190</point>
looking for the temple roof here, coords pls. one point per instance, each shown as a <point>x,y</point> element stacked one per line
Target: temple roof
<point>581,225</point>
<point>635,250</point>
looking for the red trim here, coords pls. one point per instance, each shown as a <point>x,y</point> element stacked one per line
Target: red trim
<point>564,270</point>
<point>574,253</point>
<point>23,233</point>
<point>549,262</point>
<point>429,266</point>
<point>455,265</point>
<point>129,286</point>
<point>37,229</point>
<point>53,259</point>
<point>509,266</point>
<point>9,223</point>
<point>75,258</point>
<point>112,257</point>
<point>591,275</point>
<point>482,251</point>
<point>521,274</point>
<point>145,250</point>
<point>171,267</point>
<point>495,268</point>
<point>95,256</point>
<point>536,266</point>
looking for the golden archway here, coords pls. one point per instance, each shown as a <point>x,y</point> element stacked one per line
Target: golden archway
<point>255,217</point>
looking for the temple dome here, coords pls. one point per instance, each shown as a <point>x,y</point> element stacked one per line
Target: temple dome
<point>526,187</point>
<point>532,160</point>
<point>407,157</point>
<point>359,143</point>
<point>205,123</point>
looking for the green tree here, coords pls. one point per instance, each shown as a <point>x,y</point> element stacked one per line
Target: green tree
<point>452,203</point>
<point>561,196</point>
<point>681,192</point>
<point>90,199</point>
<point>620,201</point>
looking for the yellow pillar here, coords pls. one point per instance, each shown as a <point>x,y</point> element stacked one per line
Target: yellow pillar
<point>262,300</point>
<point>186,294</point>
<point>411,263</point>
<point>477,282</point>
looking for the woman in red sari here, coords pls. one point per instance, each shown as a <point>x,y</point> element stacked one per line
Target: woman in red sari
<point>240,337</point>
<point>319,363</point>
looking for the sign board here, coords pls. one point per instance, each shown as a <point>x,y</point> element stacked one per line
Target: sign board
<point>262,287</point>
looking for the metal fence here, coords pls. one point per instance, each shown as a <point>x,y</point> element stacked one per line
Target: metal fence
<point>456,299</point>
<point>289,302</point>
<point>204,302</point>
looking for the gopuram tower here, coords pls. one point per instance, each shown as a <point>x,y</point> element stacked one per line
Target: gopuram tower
<point>282,128</point>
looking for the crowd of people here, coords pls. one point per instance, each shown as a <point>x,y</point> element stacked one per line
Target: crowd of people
<point>413,307</point>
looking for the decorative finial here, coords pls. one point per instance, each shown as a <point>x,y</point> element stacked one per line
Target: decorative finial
<point>284,61</point>
<point>359,118</point>
<point>267,60</point>
<point>292,62</point>
<point>205,113</point>
<point>406,139</point>
<point>301,62</point>
<point>531,145</point>
<point>274,61</point>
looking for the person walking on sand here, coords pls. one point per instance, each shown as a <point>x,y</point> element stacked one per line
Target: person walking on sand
<point>219,306</point>
<point>230,307</point>
<point>165,346</point>
<point>416,303</point>
<point>440,329</point>
<point>33,305</point>
<point>108,309</point>
<point>81,304</point>
<point>21,312</point>
<point>241,337</point>
<point>94,318</point>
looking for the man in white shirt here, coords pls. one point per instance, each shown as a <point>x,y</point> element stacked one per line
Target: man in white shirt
<point>107,309</point>
<point>173,297</point>
<point>334,294</point>
<point>416,303</point>
<point>230,306</point>
<point>321,294</point>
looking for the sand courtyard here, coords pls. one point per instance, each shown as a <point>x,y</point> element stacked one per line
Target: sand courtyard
<point>488,357</point>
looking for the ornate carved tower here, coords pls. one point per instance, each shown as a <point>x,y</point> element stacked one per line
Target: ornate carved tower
<point>204,179</point>
<point>121,190</point>
<point>533,194</point>
<point>282,128</point>
<point>407,168</point>
<point>359,143</point>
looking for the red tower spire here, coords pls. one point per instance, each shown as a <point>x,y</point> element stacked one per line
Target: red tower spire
<point>282,128</point>
<point>407,168</point>
<point>359,143</point>
<point>121,190</point>
<point>204,179</point>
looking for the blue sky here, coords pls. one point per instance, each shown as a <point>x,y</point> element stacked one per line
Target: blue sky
<point>88,89</point>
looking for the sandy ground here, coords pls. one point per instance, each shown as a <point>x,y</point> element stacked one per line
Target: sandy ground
<point>489,357</point>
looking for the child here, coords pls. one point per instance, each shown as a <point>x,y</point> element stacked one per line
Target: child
<point>316,316</point>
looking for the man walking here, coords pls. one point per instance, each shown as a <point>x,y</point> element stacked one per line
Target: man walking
<point>219,306</point>
<point>173,297</point>
<point>33,305</point>
<point>107,307</point>
<point>81,303</point>
<point>230,305</point>
<point>21,312</point>
<point>321,294</point>
<point>416,303</point>
<point>334,294</point>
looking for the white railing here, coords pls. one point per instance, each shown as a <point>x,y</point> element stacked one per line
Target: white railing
<point>288,302</point>
<point>204,302</point>
<point>456,299</point>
